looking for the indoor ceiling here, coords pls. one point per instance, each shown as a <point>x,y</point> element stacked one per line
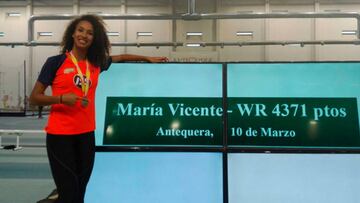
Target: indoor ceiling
<point>167,2</point>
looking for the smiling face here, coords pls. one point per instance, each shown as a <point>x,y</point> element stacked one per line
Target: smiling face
<point>83,35</point>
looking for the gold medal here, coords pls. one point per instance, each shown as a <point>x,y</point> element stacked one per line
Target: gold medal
<point>84,102</point>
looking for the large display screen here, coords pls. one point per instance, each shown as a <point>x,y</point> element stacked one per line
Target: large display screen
<point>268,105</point>
<point>134,177</point>
<point>295,178</point>
<point>305,105</point>
<point>159,104</point>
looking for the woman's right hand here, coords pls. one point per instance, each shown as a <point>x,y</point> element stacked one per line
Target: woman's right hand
<point>69,99</point>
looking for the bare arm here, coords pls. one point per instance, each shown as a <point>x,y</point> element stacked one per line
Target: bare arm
<point>39,98</point>
<point>131,57</point>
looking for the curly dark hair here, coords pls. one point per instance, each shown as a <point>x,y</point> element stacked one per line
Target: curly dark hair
<point>98,52</point>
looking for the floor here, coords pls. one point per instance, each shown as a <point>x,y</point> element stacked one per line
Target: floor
<point>25,175</point>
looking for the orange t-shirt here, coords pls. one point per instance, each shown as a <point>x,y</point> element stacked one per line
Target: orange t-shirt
<point>71,120</point>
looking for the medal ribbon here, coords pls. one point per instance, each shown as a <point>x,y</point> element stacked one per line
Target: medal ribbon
<point>84,84</point>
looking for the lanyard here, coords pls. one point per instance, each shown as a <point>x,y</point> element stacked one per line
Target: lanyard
<point>84,84</point>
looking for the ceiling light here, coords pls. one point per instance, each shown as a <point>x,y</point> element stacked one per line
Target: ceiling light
<point>144,34</point>
<point>244,33</point>
<point>113,34</point>
<point>349,32</point>
<point>13,14</point>
<point>193,45</point>
<point>47,34</point>
<point>194,34</point>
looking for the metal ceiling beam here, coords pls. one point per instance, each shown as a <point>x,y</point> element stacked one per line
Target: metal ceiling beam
<point>194,16</point>
<point>202,44</point>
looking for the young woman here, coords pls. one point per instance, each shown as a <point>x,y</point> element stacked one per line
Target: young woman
<point>73,77</point>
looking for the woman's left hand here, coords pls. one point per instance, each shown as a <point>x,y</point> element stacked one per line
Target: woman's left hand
<point>157,59</point>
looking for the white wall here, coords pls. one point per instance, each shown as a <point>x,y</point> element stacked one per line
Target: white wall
<point>12,59</point>
<point>331,29</point>
<point>227,32</point>
<point>16,30</point>
<point>294,29</point>
<point>161,30</point>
